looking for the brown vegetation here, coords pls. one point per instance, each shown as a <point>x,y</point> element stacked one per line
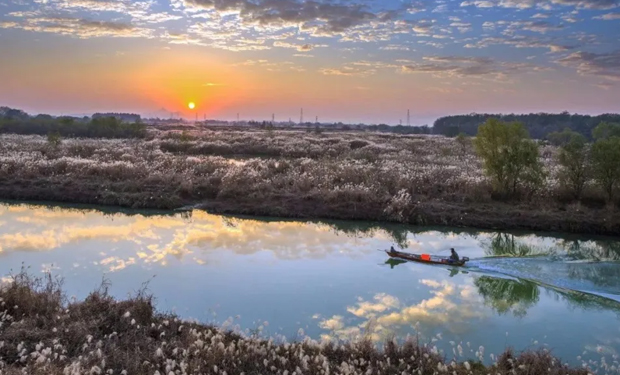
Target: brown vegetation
<point>425,180</point>
<point>43,333</point>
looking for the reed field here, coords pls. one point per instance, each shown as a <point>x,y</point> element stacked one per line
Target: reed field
<point>417,179</point>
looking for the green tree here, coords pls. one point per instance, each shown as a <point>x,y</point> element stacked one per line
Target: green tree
<point>606,130</point>
<point>510,157</point>
<point>561,138</point>
<point>606,164</point>
<point>54,139</point>
<point>574,163</point>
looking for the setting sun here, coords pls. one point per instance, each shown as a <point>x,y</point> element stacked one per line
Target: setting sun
<point>191,105</point>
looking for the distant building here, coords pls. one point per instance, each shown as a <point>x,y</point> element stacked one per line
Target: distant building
<point>125,117</point>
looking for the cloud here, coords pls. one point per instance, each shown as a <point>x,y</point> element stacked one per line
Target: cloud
<point>318,17</point>
<point>77,27</point>
<point>140,11</point>
<point>395,47</point>
<point>525,4</point>
<point>299,47</point>
<point>589,4</point>
<point>520,41</point>
<point>347,71</point>
<point>458,66</point>
<point>606,65</point>
<point>609,16</point>
<point>541,27</point>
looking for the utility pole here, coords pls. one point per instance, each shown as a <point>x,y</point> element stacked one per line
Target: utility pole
<point>408,119</point>
<point>301,117</point>
<point>273,118</point>
<point>317,119</point>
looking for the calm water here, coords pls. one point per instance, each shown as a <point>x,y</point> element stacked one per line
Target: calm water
<point>329,281</point>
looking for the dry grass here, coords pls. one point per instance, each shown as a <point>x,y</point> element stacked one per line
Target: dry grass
<point>43,333</point>
<point>370,176</point>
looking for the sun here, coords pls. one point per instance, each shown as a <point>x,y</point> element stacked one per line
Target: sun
<point>191,105</point>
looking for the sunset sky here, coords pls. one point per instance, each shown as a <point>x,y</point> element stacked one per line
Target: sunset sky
<point>341,60</point>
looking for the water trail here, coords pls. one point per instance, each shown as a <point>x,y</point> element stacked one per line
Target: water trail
<point>561,272</point>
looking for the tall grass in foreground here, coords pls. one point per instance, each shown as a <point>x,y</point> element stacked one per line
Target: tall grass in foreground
<point>41,332</point>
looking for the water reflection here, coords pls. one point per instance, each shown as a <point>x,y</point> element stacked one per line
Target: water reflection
<point>394,262</point>
<point>505,244</point>
<point>505,295</point>
<point>454,307</point>
<point>605,250</point>
<point>327,277</point>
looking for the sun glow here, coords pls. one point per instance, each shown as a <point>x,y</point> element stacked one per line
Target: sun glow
<point>191,105</point>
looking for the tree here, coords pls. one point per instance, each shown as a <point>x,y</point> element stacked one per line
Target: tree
<point>606,130</point>
<point>54,139</point>
<point>464,142</point>
<point>573,160</point>
<point>561,138</point>
<point>606,164</point>
<point>510,157</point>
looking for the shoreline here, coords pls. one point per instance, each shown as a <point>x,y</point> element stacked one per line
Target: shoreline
<point>495,216</point>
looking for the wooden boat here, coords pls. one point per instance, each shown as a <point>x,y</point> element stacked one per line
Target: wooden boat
<point>426,258</point>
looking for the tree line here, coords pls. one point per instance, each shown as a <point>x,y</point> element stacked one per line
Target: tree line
<point>511,159</point>
<point>19,122</point>
<point>538,125</point>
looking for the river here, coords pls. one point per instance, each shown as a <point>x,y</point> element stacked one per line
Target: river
<point>329,281</point>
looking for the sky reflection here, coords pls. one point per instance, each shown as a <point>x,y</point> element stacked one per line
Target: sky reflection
<point>328,278</point>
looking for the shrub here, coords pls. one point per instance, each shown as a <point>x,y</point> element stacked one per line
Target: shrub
<point>357,143</point>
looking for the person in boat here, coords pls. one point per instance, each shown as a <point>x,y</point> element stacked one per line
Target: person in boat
<point>392,250</point>
<point>454,257</point>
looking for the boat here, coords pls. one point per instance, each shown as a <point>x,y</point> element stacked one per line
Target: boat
<point>426,258</point>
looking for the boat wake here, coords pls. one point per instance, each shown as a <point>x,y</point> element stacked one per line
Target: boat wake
<point>600,278</point>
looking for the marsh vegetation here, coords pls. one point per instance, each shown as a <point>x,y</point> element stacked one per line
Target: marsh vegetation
<point>416,179</point>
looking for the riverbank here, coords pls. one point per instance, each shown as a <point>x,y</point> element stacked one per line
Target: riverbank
<point>420,180</point>
<point>44,333</point>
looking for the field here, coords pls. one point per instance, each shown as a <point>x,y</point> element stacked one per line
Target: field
<point>417,179</point>
<point>42,332</point>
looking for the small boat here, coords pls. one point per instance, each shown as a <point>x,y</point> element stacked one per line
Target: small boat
<point>426,258</point>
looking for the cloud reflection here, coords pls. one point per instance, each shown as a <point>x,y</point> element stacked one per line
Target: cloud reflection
<point>159,238</point>
<point>452,307</point>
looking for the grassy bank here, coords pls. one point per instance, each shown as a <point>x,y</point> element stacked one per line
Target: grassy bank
<point>44,333</point>
<point>363,176</point>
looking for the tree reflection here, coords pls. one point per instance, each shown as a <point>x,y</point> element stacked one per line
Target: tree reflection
<point>586,301</point>
<point>600,274</point>
<point>504,244</point>
<point>591,250</point>
<point>505,295</point>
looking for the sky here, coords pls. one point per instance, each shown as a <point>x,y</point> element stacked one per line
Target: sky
<point>340,60</point>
